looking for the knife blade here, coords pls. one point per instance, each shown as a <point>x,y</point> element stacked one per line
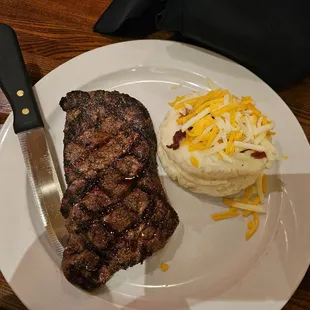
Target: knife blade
<point>29,127</point>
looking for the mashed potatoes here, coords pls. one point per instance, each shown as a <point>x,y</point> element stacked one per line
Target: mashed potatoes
<point>215,157</point>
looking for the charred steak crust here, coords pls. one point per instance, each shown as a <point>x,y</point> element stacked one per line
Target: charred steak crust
<point>115,208</point>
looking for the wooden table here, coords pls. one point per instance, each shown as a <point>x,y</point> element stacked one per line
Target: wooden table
<point>52,32</point>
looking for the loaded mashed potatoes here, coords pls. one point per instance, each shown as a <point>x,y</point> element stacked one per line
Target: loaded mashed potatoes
<point>218,144</point>
<point>215,144</point>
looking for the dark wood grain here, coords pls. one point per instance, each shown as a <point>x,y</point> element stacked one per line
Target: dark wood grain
<point>52,32</point>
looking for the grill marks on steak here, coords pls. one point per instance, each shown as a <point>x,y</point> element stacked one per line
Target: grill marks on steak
<point>116,211</point>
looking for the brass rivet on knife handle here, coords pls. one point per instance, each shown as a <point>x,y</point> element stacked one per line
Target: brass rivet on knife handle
<point>25,111</point>
<point>20,93</point>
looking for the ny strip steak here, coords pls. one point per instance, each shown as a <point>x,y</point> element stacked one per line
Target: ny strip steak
<point>115,208</point>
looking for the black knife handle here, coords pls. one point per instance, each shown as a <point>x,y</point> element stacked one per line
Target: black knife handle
<point>15,82</point>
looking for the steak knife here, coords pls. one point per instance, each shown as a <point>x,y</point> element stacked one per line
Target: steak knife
<point>29,127</point>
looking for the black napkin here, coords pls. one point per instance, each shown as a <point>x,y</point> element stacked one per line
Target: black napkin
<point>271,38</point>
<point>130,17</point>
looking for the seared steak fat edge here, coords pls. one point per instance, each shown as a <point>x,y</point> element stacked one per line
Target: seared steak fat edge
<point>116,211</point>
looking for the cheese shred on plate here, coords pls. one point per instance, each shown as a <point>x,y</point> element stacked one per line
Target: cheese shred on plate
<point>224,124</point>
<point>164,267</point>
<point>250,204</point>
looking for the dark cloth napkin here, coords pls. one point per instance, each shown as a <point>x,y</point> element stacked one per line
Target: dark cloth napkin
<point>269,37</point>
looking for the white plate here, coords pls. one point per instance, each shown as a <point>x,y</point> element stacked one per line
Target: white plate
<point>211,265</point>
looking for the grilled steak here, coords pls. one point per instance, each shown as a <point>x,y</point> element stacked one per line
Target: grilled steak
<point>115,208</point>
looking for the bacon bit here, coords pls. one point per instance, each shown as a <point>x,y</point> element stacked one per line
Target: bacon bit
<point>177,138</point>
<point>243,151</point>
<point>259,155</point>
<point>256,155</point>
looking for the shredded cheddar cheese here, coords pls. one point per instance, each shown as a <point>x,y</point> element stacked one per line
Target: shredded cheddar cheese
<point>253,227</point>
<point>232,209</point>
<point>224,215</point>
<point>194,161</point>
<point>248,192</point>
<point>177,99</point>
<point>264,120</point>
<point>250,224</point>
<point>224,156</point>
<point>218,117</point>
<point>250,204</point>
<point>246,213</point>
<point>164,267</point>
